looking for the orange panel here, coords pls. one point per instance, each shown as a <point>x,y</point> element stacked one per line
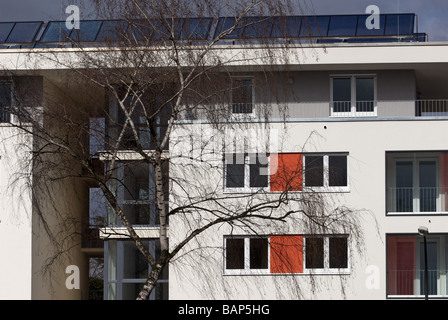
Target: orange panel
<point>286,254</point>
<point>400,265</point>
<point>286,172</point>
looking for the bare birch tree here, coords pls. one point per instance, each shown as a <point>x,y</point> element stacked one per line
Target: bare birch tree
<point>156,70</point>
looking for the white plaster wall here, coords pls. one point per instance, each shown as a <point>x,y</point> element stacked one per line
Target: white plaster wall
<point>15,214</point>
<point>199,273</point>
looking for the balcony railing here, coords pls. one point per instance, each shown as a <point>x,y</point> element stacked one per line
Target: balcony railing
<point>91,238</point>
<point>412,282</point>
<point>418,199</point>
<point>5,114</point>
<point>431,108</point>
<point>350,109</point>
<point>242,108</point>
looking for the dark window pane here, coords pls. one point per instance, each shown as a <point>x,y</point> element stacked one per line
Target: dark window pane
<point>428,186</point>
<point>5,95</point>
<point>338,252</point>
<point>5,29</point>
<point>135,265</point>
<point>258,171</point>
<point>235,254</point>
<point>365,94</point>
<point>5,102</point>
<point>338,171</point>
<point>234,170</point>
<point>314,171</point>
<point>136,181</point>
<point>314,249</point>
<point>342,94</point>
<point>139,214</point>
<point>24,32</point>
<point>242,95</point>
<point>342,26</point>
<point>131,290</point>
<point>258,253</point>
<point>404,186</point>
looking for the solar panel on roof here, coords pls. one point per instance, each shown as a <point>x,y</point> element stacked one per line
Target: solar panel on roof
<point>5,29</point>
<point>159,29</point>
<point>87,32</point>
<point>288,27</point>
<point>24,32</point>
<point>399,24</point>
<point>112,30</point>
<point>196,28</point>
<point>56,31</point>
<point>342,26</point>
<point>362,29</point>
<point>226,23</point>
<point>257,27</point>
<point>314,26</point>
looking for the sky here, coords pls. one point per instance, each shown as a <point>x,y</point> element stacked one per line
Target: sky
<point>432,14</point>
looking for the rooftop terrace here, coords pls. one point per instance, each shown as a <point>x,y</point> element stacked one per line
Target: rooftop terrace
<point>308,29</point>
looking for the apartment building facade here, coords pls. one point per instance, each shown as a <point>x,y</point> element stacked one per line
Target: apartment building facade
<point>363,126</point>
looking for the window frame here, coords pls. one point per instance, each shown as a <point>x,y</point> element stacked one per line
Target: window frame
<point>392,255</point>
<point>115,268</point>
<point>326,270</point>
<point>391,184</point>
<point>326,174</point>
<point>12,117</point>
<point>326,256</point>
<point>242,114</point>
<point>247,188</point>
<point>118,185</point>
<point>353,108</point>
<point>246,270</point>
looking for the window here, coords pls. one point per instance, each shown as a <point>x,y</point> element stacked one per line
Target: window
<point>328,172</point>
<point>242,96</point>
<point>246,254</point>
<point>127,270</point>
<point>406,265</point>
<point>326,254</point>
<point>353,95</point>
<point>417,182</point>
<point>134,182</point>
<point>149,115</point>
<point>286,254</point>
<point>286,172</point>
<point>5,102</point>
<point>245,172</point>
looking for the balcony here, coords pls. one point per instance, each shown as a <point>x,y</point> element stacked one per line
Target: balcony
<point>417,182</point>
<point>373,109</point>
<point>431,108</point>
<point>5,114</point>
<point>406,256</point>
<point>417,200</point>
<point>412,282</point>
<point>242,108</point>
